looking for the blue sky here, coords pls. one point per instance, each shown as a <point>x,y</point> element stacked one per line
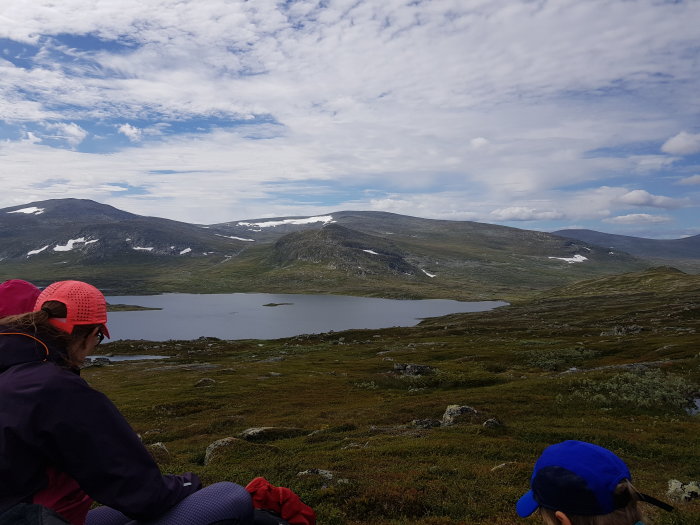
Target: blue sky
<point>536,114</point>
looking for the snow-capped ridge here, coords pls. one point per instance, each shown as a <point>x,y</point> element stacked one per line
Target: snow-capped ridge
<point>271,224</point>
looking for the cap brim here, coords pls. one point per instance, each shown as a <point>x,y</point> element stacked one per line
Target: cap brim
<point>526,505</point>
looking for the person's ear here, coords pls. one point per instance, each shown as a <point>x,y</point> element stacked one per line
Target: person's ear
<point>563,518</point>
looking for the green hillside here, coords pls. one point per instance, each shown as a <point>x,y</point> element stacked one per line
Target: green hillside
<point>612,360</point>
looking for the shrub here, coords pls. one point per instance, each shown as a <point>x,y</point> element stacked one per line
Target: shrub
<point>554,360</point>
<point>641,388</point>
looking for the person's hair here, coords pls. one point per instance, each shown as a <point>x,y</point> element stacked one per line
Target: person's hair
<point>37,323</point>
<point>626,515</point>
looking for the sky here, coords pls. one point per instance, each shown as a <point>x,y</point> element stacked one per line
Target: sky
<point>541,115</point>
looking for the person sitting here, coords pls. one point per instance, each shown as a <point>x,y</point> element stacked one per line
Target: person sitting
<point>63,443</point>
<point>579,483</point>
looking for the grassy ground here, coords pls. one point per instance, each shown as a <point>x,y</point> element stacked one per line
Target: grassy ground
<point>549,369</point>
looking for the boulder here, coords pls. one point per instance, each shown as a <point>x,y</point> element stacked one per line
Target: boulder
<point>492,423</point>
<point>159,451</point>
<point>271,433</point>
<point>205,381</point>
<point>455,413</point>
<point>217,448</point>
<point>683,491</point>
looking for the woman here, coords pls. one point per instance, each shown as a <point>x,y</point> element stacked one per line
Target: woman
<point>578,483</point>
<point>63,443</point>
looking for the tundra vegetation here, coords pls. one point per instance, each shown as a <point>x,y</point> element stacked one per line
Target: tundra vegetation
<point>358,431</point>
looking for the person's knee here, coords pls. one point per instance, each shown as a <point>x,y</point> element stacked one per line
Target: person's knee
<point>234,497</point>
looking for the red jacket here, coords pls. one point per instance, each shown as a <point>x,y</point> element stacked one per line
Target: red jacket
<point>281,501</point>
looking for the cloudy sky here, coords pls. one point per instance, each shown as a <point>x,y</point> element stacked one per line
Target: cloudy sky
<point>529,113</point>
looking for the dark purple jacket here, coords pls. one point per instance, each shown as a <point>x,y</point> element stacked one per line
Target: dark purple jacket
<point>50,417</point>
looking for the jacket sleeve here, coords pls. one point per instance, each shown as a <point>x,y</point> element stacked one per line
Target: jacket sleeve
<point>87,437</point>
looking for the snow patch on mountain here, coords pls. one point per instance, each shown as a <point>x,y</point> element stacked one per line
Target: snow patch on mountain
<point>33,210</point>
<point>271,224</point>
<point>142,248</point>
<point>431,275</point>
<point>234,237</point>
<point>71,244</point>
<point>34,252</point>
<point>186,250</point>
<point>371,251</point>
<point>571,260</point>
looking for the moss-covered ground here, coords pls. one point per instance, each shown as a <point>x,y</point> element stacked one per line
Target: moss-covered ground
<point>613,362</point>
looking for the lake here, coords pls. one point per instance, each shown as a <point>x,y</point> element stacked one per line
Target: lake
<point>269,316</point>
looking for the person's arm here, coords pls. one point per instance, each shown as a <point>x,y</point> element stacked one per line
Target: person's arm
<point>88,438</point>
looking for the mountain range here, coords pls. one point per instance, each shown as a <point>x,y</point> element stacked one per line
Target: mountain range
<point>352,252</point>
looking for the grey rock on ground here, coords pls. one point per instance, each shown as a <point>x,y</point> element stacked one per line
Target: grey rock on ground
<point>412,369</point>
<point>683,491</point>
<point>159,452</point>
<point>271,433</point>
<point>454,413</point>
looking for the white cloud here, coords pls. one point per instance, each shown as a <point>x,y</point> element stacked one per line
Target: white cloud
<point>682,144</point>
<point>689,181</point>
<point>479,143</point>
<point>71,132</point>
<point>644,198</point>
<point>637,218</point>
<point>518,213</point>
<point>131,132</point>
<point>375,96</point>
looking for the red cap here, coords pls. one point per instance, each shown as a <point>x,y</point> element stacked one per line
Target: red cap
<point>85,304</point>
<point>17,297</point>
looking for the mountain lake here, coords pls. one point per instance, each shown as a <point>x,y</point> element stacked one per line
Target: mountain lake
<point>269,316</point>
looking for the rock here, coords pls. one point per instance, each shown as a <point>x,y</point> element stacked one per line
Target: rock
<point>426,423</point>
<point>215,449</point>
<point>412,369</point>
<point>683,491</point>
<point>622,330</point>
<point>271,433</point>
<point>325,474</point>
<point>455,413</point>
<point>492,423</point>
<point>159,451</point>
<point>205,381</point>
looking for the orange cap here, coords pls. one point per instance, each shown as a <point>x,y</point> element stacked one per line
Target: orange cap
<point>85,304</point>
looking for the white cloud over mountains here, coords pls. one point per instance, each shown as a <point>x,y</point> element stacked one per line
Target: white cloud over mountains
<point>529,113</point>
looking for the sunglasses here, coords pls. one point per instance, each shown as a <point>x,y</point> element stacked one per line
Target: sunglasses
<point>100,336</point>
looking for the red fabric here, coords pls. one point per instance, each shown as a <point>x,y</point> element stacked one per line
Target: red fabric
<point>64,495</point>
<point>17,297</point>
<point>282,501</point>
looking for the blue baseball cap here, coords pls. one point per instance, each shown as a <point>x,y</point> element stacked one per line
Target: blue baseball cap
<point>577,478</point>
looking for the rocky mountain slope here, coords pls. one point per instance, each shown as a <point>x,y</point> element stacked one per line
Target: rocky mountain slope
<point>352,252</point>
